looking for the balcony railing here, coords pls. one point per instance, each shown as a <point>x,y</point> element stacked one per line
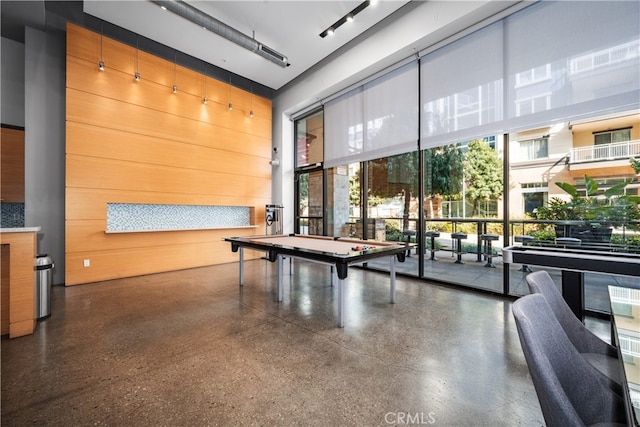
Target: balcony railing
<point>617,150</point>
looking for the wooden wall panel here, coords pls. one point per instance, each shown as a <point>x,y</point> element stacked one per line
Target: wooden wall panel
<point>109,265</point>
<point>91,203</point>
<point>117,81</point>
<point>4,286</point>
<point>90,47</point>
<point>12,165</point>
<point>90,141</point>
<point>94,110</point>
<point>88,172</point>
<point>86,236</point>
<point>137,142</point>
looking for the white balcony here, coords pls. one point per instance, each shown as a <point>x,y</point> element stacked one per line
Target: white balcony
<point>615,151</point>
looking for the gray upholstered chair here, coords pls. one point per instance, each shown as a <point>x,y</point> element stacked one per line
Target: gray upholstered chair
<point>597,352</point>
<point>570,390</point>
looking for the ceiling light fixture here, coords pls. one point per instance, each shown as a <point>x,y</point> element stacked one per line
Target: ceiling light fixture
<point>205,99</point>
<point>251,110</point>
<point>210,23</point>
<point>101,62</point>
<point>175,71</point>
<point>136,75</point>
<point>346,18</point>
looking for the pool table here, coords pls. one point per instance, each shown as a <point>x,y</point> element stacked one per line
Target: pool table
<point>338,252</point>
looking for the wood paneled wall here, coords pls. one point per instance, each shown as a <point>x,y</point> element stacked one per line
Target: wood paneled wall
<point>11,165</point>
<point>133,141</point>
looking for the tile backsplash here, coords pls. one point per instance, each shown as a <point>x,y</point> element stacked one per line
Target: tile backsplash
<point>131,217</point>
<point>12,215</point>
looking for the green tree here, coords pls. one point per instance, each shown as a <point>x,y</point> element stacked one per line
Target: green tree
<point>394,175</point>
<point>444,172</point>
<point>354,190</point>
<point>391,176</point>
<point>483,174</point>
<point>403,177</point>
<point>303,193</point>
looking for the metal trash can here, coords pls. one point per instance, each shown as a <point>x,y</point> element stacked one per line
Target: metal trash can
<point>44,279</point>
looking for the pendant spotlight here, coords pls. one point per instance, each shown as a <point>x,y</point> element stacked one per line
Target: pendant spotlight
<point>251,109</point>
<point>101,62</point>
<point>136,75</point>
<point>349,17</point>
<point>205,100</point>
<point>175,68</point>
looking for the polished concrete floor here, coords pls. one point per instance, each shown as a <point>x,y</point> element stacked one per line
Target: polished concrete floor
<point>190,348</point>
<point>474,274</point>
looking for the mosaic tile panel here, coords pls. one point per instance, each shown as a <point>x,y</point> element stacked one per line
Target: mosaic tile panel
<point>12,215</point>
<point>130,217</point>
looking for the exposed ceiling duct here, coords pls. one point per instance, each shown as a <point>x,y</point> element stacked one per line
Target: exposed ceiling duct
<point>210,23</point>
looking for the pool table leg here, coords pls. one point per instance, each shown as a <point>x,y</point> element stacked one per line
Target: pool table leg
<point>341,286</point>
<point>280,267</point>
<point>392,278</point>
<point>241,253</point>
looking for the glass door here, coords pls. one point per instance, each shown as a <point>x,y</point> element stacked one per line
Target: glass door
<point>310,202</point>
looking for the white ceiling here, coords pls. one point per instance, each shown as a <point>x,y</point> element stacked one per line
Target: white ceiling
<point>291,28</point>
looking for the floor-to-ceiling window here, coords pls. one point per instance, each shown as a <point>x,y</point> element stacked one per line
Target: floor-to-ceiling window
<point>345,201</point>
<point>470,165</point>
<point>463,187</point>
<point>542,210</point>
<point>309,175</point>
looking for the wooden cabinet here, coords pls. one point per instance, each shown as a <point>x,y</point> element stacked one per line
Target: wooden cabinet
<point>18,280</point>
<point>12,167</point>
<point>4,286</point>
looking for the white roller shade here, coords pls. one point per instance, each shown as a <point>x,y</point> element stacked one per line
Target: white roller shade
<point>379,119</point>
<point>462,89</point>
<point>550,62</point>
<point>571,60</point>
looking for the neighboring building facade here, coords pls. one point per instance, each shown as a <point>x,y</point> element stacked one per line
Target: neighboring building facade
<point>599,148</point>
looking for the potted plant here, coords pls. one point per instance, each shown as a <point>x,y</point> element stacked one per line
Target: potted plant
<point>596,213</point>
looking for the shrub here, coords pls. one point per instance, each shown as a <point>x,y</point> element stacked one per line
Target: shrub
<point>392,232</point>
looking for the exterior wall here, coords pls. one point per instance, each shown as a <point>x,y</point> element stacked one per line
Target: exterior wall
<point>562,138</point>
<point>584,136</point>
<point>615,167</point>
<point>137,142</point>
